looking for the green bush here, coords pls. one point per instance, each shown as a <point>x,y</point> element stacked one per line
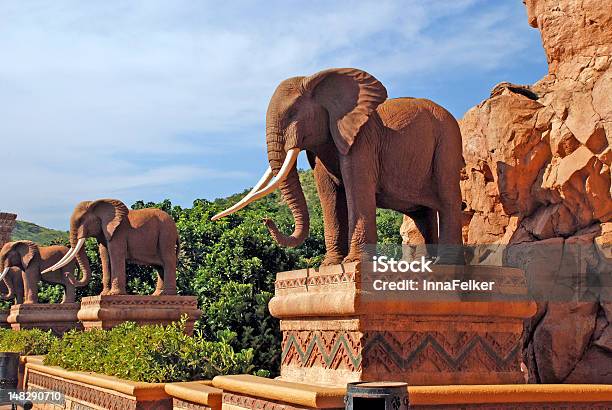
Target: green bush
<point>230,265</point>
<point>26,342</point>
<point>149,353</point>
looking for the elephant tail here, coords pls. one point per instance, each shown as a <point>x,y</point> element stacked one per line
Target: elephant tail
<point>178,247</point>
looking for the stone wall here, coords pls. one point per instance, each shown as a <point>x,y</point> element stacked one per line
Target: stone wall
<point>537,169</point>
<point>7,223</point>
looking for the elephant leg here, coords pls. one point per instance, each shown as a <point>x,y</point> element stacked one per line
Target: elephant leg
<point>159,286</point>
<point>166,276</point>
<point>166,284</point>
<point>57,278</point>
<point>361,203</point>
<point>426,220</point>
<point>447,166</point>
<point>30,285</point>
<point>450,249</point>
<point>19,290</point>
<point>116,251</point>
<point>69,289</point>
<point>106,272</point>
<point>19,297</point>
<point>335,215</point>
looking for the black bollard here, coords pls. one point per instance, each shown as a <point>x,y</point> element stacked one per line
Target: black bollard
<point>376,396</point>
<point>9,366</point>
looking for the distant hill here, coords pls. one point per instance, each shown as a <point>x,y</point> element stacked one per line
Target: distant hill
<point>39,234</point>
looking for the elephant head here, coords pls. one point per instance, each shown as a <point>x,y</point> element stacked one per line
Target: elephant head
<point>92,219</point>
<point>306,113</point>
<point>18,255</point>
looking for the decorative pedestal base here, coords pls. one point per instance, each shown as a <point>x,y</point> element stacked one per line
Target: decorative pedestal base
<point>57,317</point>
<point>105,312</point>
<point>337,330</point>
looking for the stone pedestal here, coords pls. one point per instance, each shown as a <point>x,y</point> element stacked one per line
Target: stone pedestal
<point>337,330</point>
<point>105,312</point>
<point>58,317</point>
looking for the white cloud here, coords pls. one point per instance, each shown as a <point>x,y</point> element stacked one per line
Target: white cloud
<point>91,90</point>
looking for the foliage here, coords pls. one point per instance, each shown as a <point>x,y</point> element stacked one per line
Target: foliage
<point>149,353</point>
<point>28,231</point>
<point>26,342</point>
<point>240,308</point>
<point>230,265</point>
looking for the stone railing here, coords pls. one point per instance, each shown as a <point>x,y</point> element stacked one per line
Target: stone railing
<point>7,223</point>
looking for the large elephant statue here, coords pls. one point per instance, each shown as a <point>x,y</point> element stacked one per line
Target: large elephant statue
<point>29,263</point>
<point>11,285</point>
<point>144,237</point>
<point>367,151</point>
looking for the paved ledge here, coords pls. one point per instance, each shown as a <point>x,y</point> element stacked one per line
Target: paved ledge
<point>332,397</point>
<point>302,394</point>
<point>141,391</point>
<point>199,392</point>
<point>509,393</point>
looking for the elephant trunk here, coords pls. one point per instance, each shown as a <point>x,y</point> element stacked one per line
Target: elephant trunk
<point>10,295</point>
<point>7,283</point>
<point>83,262</point>
<point>292,194</point>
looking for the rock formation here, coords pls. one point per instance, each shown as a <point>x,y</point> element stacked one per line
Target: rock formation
<point>538,170</point>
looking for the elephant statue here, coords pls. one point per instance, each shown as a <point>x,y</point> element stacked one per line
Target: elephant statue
<point>144,237</point>
<point>366,151</point>
<point>28,263</point>
<point>11,285</point>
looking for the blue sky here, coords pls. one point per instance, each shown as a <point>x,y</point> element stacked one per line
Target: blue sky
<point>157,99</point>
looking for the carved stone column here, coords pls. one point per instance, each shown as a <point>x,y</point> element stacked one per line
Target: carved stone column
<point>7,223</point>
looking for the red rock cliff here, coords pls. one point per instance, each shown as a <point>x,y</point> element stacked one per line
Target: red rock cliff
<point>538,170</point>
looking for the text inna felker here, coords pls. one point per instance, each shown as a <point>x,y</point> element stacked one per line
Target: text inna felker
<point>430,285</point>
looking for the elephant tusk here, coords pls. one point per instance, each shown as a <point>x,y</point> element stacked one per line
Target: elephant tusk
<point>254,195</point>
<point>4,272</point>
<point>68,258</point>
<point>267,176</point>
<point>242,203</point>
<point>57,264</point>
<point>290,160</point>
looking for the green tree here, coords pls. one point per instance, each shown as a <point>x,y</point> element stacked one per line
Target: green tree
<point>231,264</point>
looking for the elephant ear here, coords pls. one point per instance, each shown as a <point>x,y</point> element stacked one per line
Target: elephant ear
<point>349,96</point>
<point>28,251</point>
<point>111,212</point>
